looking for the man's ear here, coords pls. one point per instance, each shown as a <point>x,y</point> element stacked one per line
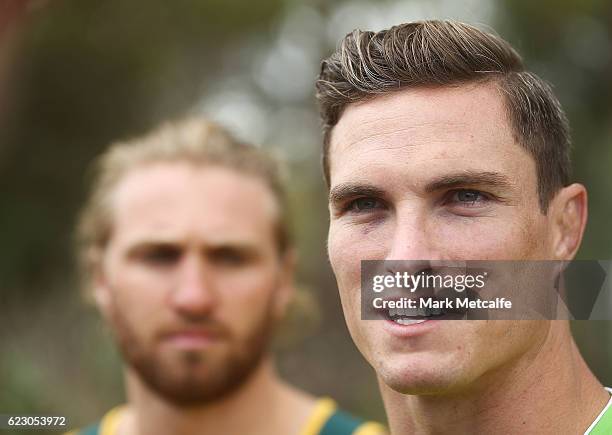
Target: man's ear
<point>569,208</point>
<point>286,290</point>
<point>98,281</point>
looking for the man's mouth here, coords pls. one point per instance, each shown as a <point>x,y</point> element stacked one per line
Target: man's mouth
<point>192,338</point>
<point>421,310</point>
<point>413,316</point>
<point>188,339</point>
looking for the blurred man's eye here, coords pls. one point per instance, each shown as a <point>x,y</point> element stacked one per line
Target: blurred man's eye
<point>229,257</point>
<point>162,255</point>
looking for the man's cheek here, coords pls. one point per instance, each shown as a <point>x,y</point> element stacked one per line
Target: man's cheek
<point>138,305</point>
<point>333,247</point>
<point>240,313</point>
<point>344,265</point>
<point>478,240</point>
<point>346,243</point>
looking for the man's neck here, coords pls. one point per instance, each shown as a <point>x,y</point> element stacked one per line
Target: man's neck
<point>264,404</point>
<point>551,391</point>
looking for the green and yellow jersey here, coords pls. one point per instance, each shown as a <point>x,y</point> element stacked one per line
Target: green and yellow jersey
<point>325,419</point>
<point>603,423</point>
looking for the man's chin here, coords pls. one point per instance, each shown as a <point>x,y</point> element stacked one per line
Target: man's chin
<point>417,388</point>
<point>189,382</point>
<point>189,378</point>
<point>418,376</point>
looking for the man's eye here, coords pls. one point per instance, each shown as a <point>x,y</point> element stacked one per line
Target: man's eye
<point>228,257</point>
<point>468,197</point>
<point>161,256</point>
<point>360,205</point>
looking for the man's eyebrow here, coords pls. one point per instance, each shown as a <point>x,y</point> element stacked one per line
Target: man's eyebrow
<point>140,245</point>
<point>342,192</point>
<point>468,178</point>
<point>144,245</point>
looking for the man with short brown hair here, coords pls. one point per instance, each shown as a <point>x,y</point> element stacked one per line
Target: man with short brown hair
<point>184,246</point>
<point>438,145</point>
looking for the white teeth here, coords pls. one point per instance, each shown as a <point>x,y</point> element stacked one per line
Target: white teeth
<point>409,322</point>
<point>411,312</point>
<point>405,312</point>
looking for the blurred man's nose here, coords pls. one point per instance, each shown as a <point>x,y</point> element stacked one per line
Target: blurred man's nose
<point>193,294</point>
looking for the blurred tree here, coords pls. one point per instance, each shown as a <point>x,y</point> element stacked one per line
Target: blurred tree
<point>93,72</point>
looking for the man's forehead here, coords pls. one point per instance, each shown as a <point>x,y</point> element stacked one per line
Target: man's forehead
<point>464,126</point>
<point>163,180</point>
<point>168,197</point>
<point>421,111</point>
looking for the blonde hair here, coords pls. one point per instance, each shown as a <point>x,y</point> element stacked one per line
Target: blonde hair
<point>192,140</point>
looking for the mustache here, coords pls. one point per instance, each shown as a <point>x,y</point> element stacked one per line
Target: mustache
<point>191,325</point>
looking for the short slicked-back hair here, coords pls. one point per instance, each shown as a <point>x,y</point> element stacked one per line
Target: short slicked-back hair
<point>442,53</point>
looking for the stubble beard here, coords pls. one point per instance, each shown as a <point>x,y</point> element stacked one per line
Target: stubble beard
<point>191,378</point>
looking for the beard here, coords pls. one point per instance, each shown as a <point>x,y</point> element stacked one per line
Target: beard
<point>190,378</point>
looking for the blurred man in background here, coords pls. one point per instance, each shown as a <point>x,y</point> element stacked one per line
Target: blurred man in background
<point>185,247</point>
<point>438,145</point>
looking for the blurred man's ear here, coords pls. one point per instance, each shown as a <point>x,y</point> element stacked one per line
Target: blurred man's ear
<point>98,283</point>
<point>286,288</point>
<point>569,208</point>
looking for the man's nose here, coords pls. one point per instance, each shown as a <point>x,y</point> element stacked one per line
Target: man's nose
<point>414,247</point>
<point>194,292</point>
<point>414,238</point>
